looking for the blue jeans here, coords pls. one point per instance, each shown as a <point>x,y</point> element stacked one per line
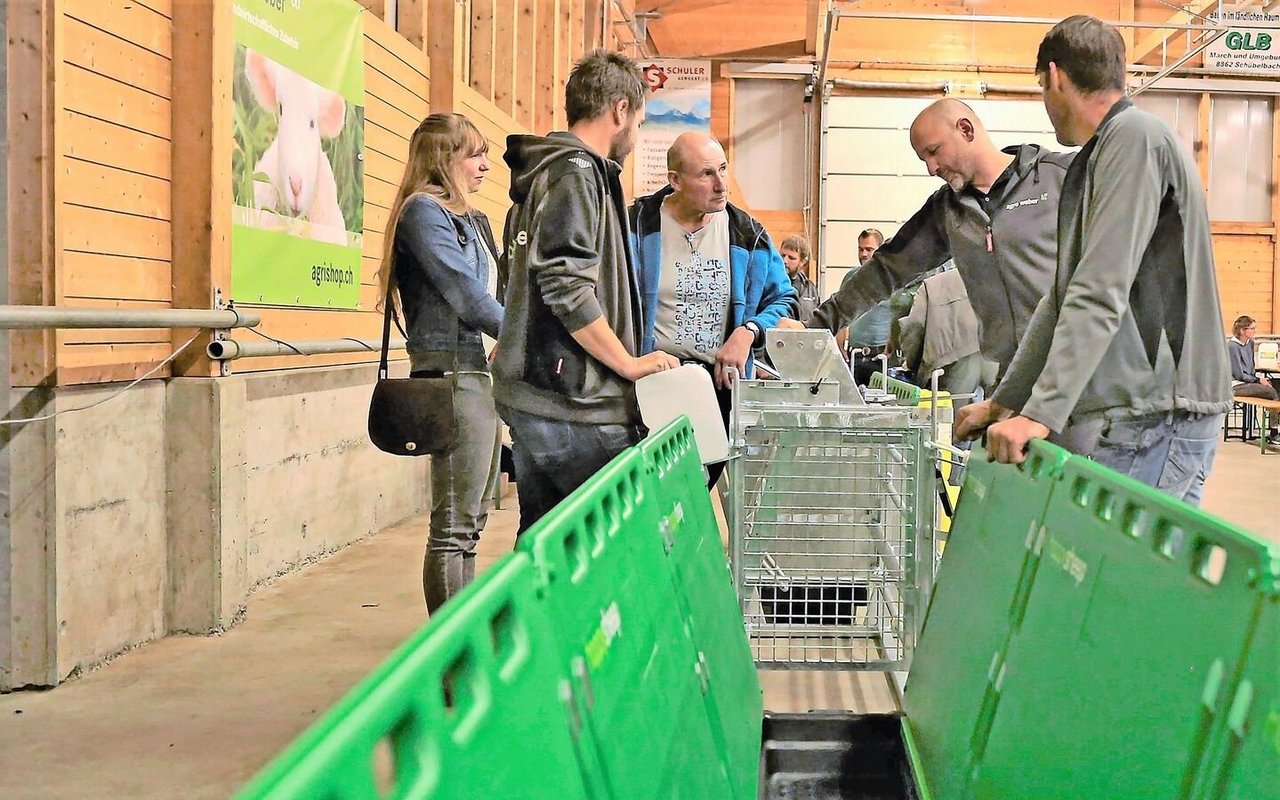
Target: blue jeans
<point>1172,451</point>
<point>553,457</point>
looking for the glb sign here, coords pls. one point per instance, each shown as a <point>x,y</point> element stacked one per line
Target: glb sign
<point>1250,47</point>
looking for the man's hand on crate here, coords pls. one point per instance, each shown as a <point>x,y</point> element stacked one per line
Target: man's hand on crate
<point>973,419</point>
<point>1007,441</point>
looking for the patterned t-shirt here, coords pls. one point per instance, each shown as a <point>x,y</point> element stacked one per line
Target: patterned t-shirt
<point>693,289</point>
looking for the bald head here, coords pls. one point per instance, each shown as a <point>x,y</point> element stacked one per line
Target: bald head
<point>698,172</point>
<point>951,141</point>
<point>690,147</point>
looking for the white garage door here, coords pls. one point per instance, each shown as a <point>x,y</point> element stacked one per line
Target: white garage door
<point>871,177</point>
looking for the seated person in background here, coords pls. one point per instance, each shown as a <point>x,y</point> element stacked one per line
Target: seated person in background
<point>711,282</point>
<point>941,332</point>
<point>795,257</point>
<point>1245,381</point>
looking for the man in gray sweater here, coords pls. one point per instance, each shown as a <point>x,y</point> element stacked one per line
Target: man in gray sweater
<point>1129,338</point>
<point>996,217</point>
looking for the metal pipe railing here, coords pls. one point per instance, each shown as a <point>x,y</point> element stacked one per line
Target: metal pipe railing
<point>893,86</point>
<point>39,317</point>
<point>230,349</point>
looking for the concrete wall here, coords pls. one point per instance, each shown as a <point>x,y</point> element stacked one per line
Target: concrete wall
<point>160,510</point>
<point>314,483</point>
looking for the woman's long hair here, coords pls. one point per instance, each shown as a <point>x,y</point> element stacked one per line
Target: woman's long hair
<point>432,169</point>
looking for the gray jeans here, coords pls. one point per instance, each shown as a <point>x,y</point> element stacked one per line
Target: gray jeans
<point>1172,451</point>
<point>460,481</point>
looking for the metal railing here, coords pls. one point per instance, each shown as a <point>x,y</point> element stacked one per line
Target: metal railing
<point>40,317</point>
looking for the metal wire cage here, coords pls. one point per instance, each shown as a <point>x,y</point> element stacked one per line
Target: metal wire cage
<point>831,525</point>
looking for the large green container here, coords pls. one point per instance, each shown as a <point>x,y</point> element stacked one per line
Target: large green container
<point>467,708</point>
<point>981,592</point>
<point>1123,664</point>
<point>621,632</point>
<point>703,585</point>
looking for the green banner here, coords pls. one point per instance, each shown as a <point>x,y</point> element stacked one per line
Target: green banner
<point>297,169</point>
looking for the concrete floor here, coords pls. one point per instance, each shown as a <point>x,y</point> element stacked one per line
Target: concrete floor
<point>196,717</point>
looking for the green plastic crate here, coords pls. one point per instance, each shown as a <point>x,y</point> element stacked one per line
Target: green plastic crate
<point>898,388</point>
<point>981,590</point>
<point>1244,760</point>
<point>620,632</point>
<point>703,585</point>
<point>1122,666</point>
<point>468,707</point>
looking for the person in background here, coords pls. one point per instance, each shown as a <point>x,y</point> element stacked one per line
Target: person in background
<point>442,255</point>
<point>569,352</point>
<point>1245,380</point>
<point>711,281</point>
<point>868,335</point>
<point>941,332</point>
<point>1128,340</point>
<point>795,257</point>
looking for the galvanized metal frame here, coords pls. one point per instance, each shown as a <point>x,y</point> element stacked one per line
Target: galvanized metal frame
<point>832,535</point>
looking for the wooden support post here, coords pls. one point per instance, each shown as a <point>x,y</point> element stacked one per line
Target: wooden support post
<point>203,60</point>
<point>1204,144</point>
<point>592,19</point>
<point>526,90</point>
<point>446,40</point>
<point>549,88</point>
<point>505,56</point>
<point>34,71</point>
<point>411,21</point>
<point>564,55</point>
<point>481,52</point>
<point>1275,215</point>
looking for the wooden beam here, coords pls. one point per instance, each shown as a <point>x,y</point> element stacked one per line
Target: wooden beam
<point>592,19</point>
<point>411,21</point>
<point>483,46</point>
<point>1153,41</point>
<point>564,55</point>
<point>203,60</point>
<point>34,70</point>
<point>505,55</point>
<point>378,8</point>
<point>547,69</point>
<point>446,48</point>
<point>815,22</point>
<point>1275,216</point>
<point>525,103</point>
<point>1204,120</point>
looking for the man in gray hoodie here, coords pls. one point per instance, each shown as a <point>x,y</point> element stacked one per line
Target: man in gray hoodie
<point>1129,339</point>
<point>567,357</point>
<point>996,217</point>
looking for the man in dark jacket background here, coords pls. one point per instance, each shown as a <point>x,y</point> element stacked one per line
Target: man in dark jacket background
<point>996,217</point>
<point>568,353</point>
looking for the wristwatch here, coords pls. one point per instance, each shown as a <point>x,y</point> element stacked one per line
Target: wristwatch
<point>756,331</point>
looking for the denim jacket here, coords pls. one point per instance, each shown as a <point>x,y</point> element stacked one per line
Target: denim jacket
<point>442,273</point>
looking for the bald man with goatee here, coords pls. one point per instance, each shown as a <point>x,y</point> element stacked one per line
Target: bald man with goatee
<point>996,217</point>
<point>711,281</point>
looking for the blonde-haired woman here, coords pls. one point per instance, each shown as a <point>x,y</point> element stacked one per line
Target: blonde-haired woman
<point>442,253</point>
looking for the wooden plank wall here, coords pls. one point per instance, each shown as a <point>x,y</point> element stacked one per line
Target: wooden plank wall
<point>1244,262</point>
<point>112,125</point>
<point>112,184</point>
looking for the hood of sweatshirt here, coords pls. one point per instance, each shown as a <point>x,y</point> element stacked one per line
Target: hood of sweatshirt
<point>528,156</point>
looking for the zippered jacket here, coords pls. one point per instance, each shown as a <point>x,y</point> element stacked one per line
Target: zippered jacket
<point>1131,325</point>
<point>1006,258</point>
<point>567,264</point>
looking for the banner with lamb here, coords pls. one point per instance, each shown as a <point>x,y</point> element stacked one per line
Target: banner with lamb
<point>297,164</point>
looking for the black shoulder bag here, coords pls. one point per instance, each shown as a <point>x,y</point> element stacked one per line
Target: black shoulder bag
<point>411,416</point>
